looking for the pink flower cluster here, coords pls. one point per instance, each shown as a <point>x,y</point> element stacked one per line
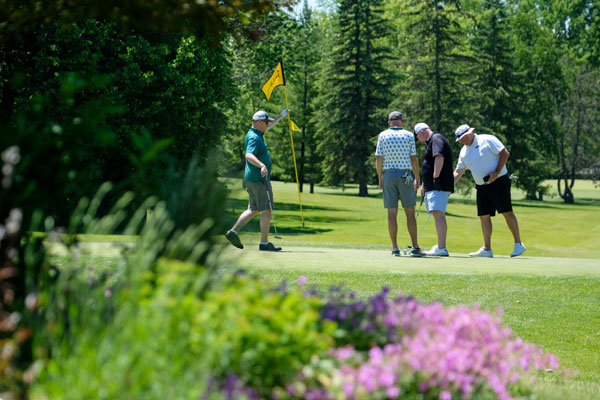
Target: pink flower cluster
<point>445,353</point>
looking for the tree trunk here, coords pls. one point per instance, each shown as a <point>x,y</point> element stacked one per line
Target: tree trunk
<point>301,171</point>
<point>438,78</point>
<point>304,136</point>
<point>567,196</point>
<point>362,183</point>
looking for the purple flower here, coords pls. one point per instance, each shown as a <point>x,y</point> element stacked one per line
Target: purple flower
<point>445,395</point>
<point>393,392</point>
<point>302,280</point>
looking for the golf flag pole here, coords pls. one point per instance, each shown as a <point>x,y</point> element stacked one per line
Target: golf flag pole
<point>278,79</point>
<point>291,126</point>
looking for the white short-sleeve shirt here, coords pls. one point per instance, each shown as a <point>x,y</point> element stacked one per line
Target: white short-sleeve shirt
<point>396,145</point>
<point>481,157</point>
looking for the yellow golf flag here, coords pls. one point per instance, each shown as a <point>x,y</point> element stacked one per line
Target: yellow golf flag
<point>294,127</point>
<point>275,80</point>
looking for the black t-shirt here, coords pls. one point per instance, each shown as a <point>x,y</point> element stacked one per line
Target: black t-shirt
<point>437,145</point>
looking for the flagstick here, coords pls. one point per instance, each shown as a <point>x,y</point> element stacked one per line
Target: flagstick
<point>293,154</point>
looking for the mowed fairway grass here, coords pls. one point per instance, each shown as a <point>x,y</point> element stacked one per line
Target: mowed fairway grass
<point>550,296</point>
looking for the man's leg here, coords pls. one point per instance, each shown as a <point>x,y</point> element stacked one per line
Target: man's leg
<point>411,224</point>
<point>486,228</point>
<point>244,218</point>
<point>393,226</point>
<point>265,225</point>
<point>513,225</point>
<point>441,227</point>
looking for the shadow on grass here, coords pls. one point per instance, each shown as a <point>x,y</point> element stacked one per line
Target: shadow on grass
<point>233,209</point>
<point>586,202</point>
<point>461,216</point>
<point>254,227</point>
<point>235,206</point>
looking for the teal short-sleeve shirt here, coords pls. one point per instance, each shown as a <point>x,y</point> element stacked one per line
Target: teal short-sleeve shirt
<point>255,144</point>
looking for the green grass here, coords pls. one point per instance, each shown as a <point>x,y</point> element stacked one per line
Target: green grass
<point>338,218</point>
<point>550,296</point>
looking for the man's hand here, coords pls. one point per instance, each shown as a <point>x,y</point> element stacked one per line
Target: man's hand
<point>263,171</point>
<point>493,176</point>
<point>437,184</point>
<point>417,183</point>
<point>423,191</point>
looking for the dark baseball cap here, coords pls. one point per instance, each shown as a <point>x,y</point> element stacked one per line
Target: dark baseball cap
<point>395,116</point>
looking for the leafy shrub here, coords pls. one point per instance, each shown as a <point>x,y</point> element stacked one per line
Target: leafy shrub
<point>165,341</point>
<point>261,335</point>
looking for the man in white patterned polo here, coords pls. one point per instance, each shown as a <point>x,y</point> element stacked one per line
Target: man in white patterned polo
<point>398,172</point>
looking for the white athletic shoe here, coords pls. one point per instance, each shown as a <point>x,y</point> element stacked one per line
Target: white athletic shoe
<point>519,249</point>
<point>436,251</point>
<point>482,252</point>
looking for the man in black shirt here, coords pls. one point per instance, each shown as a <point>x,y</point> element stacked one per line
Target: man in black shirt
<point>438,182</point>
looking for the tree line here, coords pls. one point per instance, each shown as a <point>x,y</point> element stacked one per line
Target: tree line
<point>89,97</point>
<point>525,71</point>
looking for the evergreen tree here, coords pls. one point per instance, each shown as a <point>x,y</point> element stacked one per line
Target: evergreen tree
<point>504,98</point>
<point>352,93</point>
<point>436,65</point>
<point>579,141</point>
<point>544,87</point>
<point>310,51</point>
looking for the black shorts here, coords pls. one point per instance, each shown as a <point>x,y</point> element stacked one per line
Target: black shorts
<point>495,196</point>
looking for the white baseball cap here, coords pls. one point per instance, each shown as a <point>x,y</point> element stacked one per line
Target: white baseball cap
<point>420,126</point>
<point>261,115</point>
<point>462,130</point>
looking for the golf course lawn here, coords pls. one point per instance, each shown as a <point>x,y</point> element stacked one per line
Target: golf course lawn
<point>338,218</point>
<point>550,296</point>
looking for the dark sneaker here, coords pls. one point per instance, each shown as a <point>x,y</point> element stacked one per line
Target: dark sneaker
<point>416,252</point>
<point>396,252</point>
<point>268,247</point>
<point>234,239</point>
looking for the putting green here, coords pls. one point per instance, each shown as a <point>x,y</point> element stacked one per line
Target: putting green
<point>321,259</point>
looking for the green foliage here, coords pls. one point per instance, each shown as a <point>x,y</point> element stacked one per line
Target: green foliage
<point>264,336</point>
<point>201,19</point>
<point>146,326</point>
<point>113,107</point>
<point>146,350</point>
<point>116,320</point>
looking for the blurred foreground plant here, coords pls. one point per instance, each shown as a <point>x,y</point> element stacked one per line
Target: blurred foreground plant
<point>49,310</point>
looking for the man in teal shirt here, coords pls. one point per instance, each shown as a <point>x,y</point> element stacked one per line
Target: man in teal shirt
<point>257,180</point>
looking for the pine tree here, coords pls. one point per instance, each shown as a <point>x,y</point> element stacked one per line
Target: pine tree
<point>435,64</point>
<point>504,91</point>
<point>309,49</point>
<point>352,93</point>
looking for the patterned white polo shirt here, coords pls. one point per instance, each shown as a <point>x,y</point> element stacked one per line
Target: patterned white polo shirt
<point>396,145</point>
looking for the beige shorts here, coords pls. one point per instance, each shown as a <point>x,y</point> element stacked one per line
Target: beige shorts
<point>257,193</point>
<point>396,186</point>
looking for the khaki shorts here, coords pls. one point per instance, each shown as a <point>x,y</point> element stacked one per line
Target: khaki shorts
<point>397,186</point>
<point>257,192</point>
